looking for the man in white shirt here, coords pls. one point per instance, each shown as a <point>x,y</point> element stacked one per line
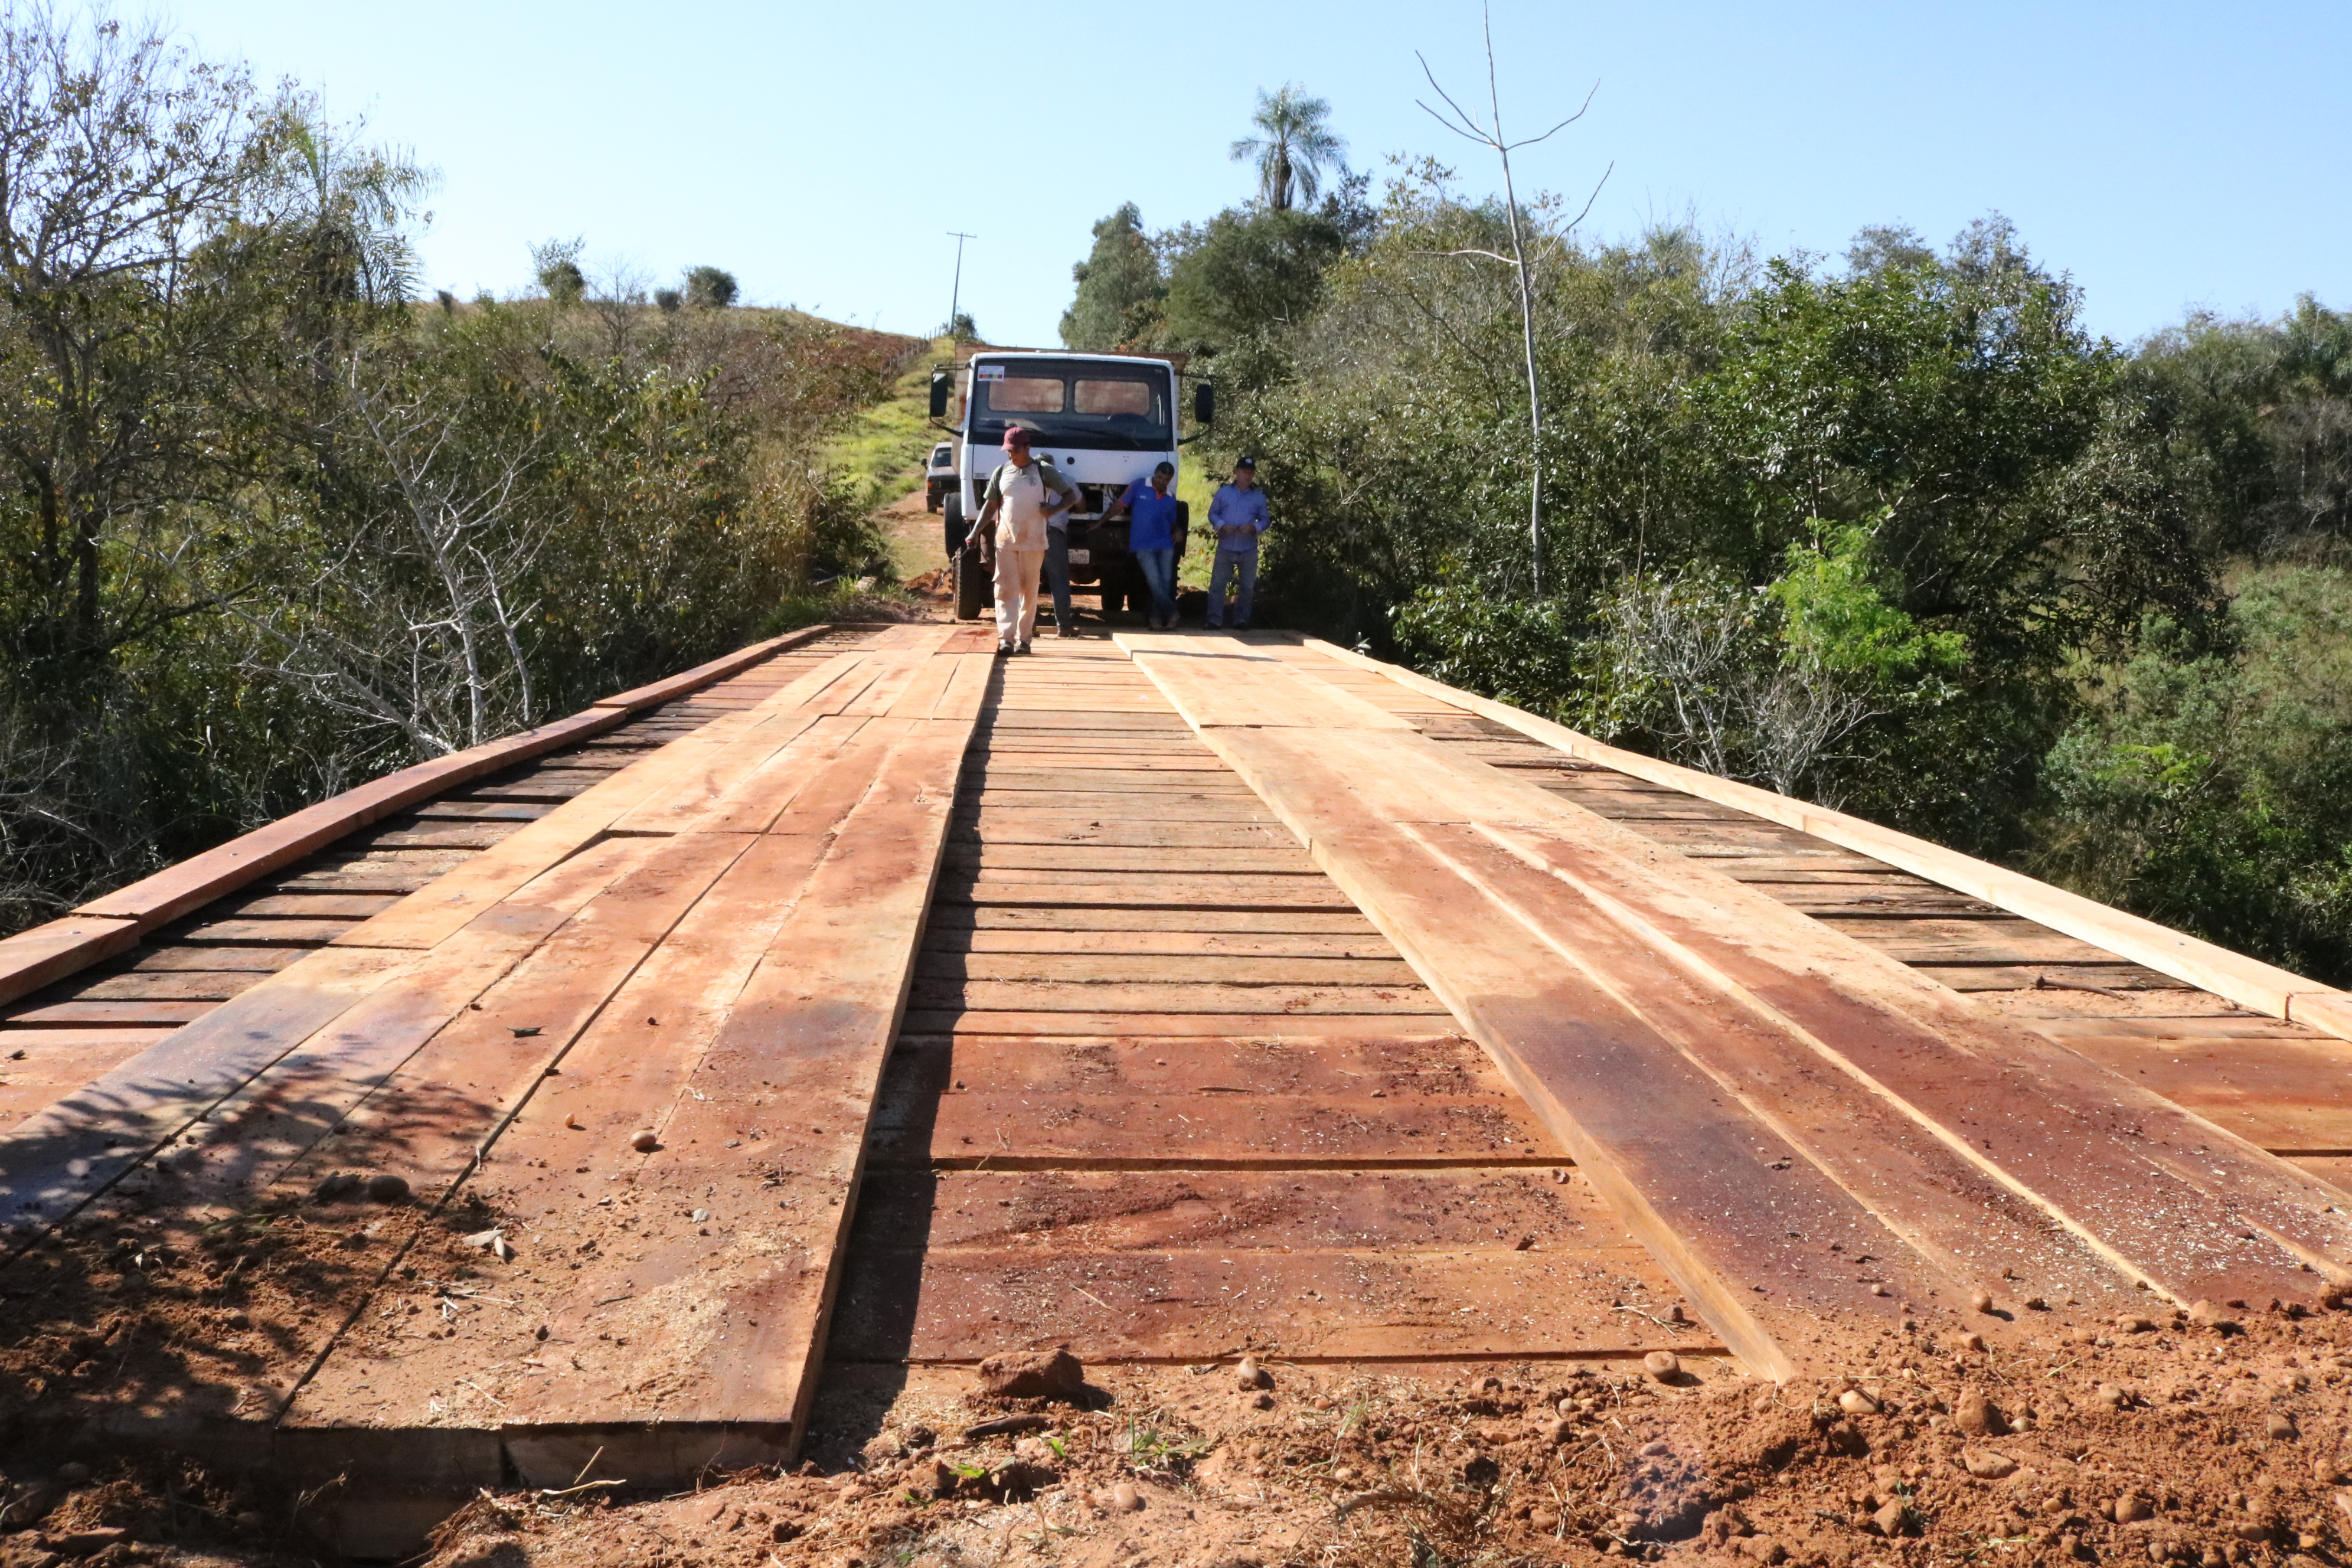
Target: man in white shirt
<point>1024,498</point>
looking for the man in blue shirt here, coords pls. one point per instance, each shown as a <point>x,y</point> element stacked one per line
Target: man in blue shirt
<point>1238,515</point>
<point>1151,507</point>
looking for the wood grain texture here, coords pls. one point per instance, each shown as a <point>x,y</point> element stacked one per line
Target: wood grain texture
<point>2247,980</point>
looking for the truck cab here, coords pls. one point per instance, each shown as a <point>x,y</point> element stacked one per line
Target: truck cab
<point>1101,421</point>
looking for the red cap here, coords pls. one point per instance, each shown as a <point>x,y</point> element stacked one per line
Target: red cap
<point>1016,436</point>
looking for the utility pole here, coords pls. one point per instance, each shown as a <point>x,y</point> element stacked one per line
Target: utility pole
<point>955,295</point>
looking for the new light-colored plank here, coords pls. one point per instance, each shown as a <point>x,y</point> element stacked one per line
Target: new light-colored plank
<point>2246,981</point>
<point>1351,794</point>
<point>32,959</point>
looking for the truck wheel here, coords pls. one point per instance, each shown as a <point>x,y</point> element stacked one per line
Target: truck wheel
<point>931,501</point>
<point>973,588</point>
<point>1113,600</point>
<point>952,531</point>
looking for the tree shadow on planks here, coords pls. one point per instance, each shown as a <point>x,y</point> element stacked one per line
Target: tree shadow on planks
<point>203,1282</point>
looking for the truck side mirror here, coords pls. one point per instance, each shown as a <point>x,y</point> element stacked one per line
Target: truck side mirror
<point>1204,402</point>
<point>941,384</point>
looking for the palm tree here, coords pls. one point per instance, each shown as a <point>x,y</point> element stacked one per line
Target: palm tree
<point>1295,147</point>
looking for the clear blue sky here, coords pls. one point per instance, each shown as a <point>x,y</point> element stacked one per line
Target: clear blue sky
<point>2165,154</point>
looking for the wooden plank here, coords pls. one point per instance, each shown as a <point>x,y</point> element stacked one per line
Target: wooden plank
<point>1119,946</point>
<point>1199,675</point>
<point>811,790</point>
<point>543,960</point>
<point>1130,967</point>
<point>1134,1103</point>
<point>807,1033</point>
<point>1150,917</point>
<point>1195,1304</point>
<point>167,985</point>
<point>264,933</point>
<point>2289,1095</point>
<point>32,959</point>
<point>1158,860</point>
<point>2117,976</point>
<point>2246,981</point>
<point>1062,890</point>
<point>251,959</point>
<point>636,700</point>
<point>2161,1197</point>
<point>953,1020</point>
<point>61,1158</point>
<point>1927,939</point>
<point>1291,1001</point>
<point>1350,793</point>
<point>118,1014</point>
<point>990,825</point>
<point>1430,1209</point>
<point>760,763</point>
<point>446,810</point>
<point>203,877</point>
<point>339,905</point>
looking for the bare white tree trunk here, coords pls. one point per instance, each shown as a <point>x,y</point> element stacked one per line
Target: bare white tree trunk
<point>418,623</point>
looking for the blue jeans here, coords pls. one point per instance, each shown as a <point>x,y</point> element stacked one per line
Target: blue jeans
<point>1057,573</point>
<point>1231,565</point>
<point>1159,576</point>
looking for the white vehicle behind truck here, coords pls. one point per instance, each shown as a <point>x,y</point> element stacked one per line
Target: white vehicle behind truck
<point>1101,421</point>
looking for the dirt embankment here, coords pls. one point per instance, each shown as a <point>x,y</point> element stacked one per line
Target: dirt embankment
<point>2165,1443</point>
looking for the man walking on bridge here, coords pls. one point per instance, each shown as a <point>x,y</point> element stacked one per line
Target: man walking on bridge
<point>1023,497</point>
<point>1237,512</point>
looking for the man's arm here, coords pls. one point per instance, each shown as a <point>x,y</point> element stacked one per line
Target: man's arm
<point>1065,494</point>
<point>980,532</point>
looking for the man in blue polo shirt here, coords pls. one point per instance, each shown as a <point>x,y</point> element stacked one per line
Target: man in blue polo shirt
<point>1237,513</point>
<point>1151,507</point>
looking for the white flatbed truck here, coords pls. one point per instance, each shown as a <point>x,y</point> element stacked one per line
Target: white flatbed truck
<point>1101,421</point>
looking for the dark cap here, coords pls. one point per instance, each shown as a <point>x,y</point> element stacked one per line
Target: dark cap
<point>1016,436</point>
<point>1246,462</point>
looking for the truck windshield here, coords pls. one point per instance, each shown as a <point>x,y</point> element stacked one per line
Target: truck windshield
<point>1081,405</point>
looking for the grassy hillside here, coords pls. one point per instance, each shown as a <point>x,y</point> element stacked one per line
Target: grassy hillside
<point>883,445</point>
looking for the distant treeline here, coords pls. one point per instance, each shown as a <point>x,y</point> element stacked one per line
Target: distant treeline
<point>1891,531</point>
<point>272,524</point>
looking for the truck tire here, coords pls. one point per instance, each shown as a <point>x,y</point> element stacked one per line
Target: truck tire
<point>973,591</point>
<point>1114,599</point>
<point>952,531</point>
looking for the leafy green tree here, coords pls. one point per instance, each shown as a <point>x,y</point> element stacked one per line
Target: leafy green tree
<point>2212,789</point>
<point>1293,148</point>
<point>1119,286</point>
<point>556,265</point>
<point>1247,273</point>
<point>710,287</point>
<point>2254,420</point>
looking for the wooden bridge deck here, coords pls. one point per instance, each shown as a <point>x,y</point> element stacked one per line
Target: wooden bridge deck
<point>1168,997</point>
